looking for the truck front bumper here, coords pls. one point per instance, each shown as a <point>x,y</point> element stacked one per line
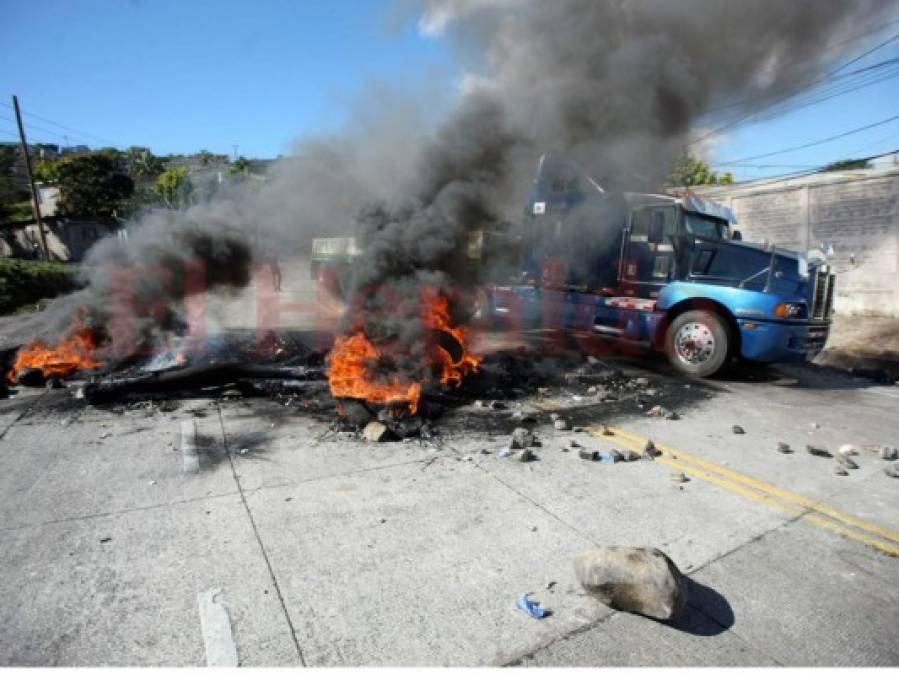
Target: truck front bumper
<point>778,342</point>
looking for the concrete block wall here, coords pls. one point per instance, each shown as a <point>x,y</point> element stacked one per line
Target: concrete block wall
<point>857,213</point>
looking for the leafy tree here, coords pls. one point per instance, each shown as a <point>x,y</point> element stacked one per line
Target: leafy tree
<point>848,164</point>
<point>143,164</point>
<point>92,185</point>
<point>689,170</point>
<point>8,155</point>
<point>173,185</point>
<point>205,157</point>
<point>46,170</point>
<point>240,165</point>
<point>11,199</point>
<point>113,153</point>
<point>12,195</point>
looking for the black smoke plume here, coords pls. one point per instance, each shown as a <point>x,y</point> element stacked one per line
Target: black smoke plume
<point>616,87</point>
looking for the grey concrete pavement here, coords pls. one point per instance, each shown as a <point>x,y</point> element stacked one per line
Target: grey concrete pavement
<point>331,551</point>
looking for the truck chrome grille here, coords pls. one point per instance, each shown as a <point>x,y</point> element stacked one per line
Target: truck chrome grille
<point>822,294</point>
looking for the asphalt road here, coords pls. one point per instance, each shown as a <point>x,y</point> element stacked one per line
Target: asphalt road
<point>326,550</point>
<point>330,551</point>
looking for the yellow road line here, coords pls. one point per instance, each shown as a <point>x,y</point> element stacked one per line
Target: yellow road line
<point>546,404</point>
<point>770,489</point>
<point>757,490</point>
<point>759,495</point>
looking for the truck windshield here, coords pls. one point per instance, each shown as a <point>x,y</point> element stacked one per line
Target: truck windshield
<point>704,226</point>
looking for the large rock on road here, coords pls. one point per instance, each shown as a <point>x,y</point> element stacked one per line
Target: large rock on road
<point>638,580</point>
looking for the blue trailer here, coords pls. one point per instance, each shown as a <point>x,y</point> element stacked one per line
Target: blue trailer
<point>669,273</point>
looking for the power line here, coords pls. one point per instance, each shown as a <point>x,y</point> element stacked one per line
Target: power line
<point>79,134</point>
<point>825,95</point>
<point>789,95</point>
<point>875,143</point>
<point>794,64</point>
<point>861,56</point>
<point>813,97</point>
<point>819,169</point>
<point>29,127</point>
<point>811,144</point>
<point>860,71</point>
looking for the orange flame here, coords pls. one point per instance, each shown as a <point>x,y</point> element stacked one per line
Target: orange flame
<point>437,316</point>
<point>69,354</point>
<point>349,373</point>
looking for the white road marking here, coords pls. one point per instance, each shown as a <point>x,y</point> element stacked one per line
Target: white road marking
<point>189,451</point>
<point>216,626</point>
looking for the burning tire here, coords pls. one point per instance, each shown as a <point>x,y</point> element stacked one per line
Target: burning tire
<point>698,343</point>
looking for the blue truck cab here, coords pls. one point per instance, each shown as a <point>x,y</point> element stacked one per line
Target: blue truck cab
<point>667,272</point>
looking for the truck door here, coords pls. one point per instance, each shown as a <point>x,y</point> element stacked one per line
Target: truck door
<point>645,266</point>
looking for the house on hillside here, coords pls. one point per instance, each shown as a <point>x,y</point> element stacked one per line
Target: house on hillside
<point>67,238</point>
<point>37,152</point>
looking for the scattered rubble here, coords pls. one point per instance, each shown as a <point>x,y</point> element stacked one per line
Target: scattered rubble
<point>522,438</point>
<point>848,450</point>
<point>526,455</point>
<point>818,451</point>
<point>650,451</point>
<point>658,411</point>
<point>889,452</point>
<point>375,432</point>
<point>610,456</point>
<point>530,607</point>
<point>846,461</point>
<point>561,424</point>
<point>737,429</point>
<point>638,580</point>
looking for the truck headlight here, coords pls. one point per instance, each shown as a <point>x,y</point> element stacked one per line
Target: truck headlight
<point>789,310</point>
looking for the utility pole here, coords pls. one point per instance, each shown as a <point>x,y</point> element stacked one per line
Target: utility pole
<point>235,146</point>
<point>34,195</point>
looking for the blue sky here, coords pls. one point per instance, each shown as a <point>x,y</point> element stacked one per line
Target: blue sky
<point>180,76</point>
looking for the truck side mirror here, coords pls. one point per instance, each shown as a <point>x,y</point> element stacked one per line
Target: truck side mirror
<point>656,234</point>
<point>737,235</point>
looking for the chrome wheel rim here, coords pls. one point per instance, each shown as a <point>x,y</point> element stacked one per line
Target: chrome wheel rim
<point>694,343</point>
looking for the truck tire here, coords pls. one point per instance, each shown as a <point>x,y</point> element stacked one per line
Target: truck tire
<point>698,343</point>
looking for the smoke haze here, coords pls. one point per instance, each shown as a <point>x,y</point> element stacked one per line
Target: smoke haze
<point>616,86</point>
